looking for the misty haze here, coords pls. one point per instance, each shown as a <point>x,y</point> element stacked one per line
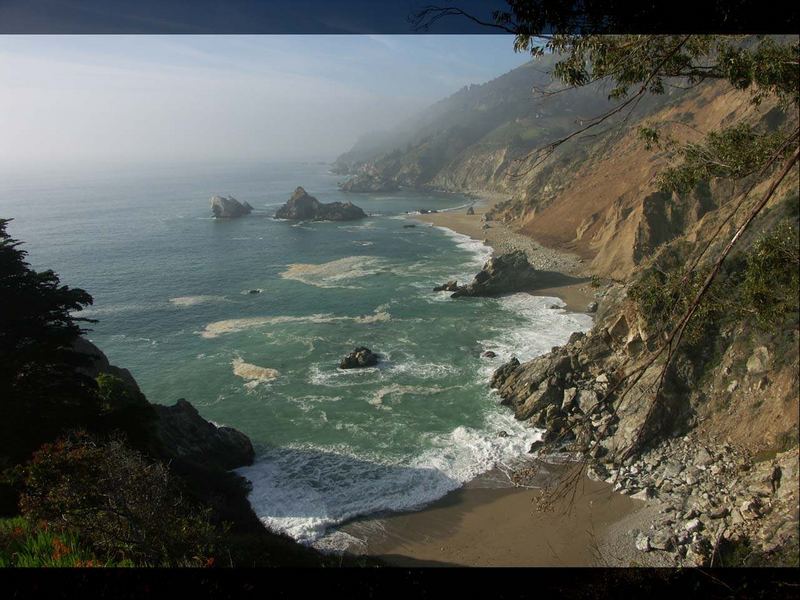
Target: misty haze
<point>386,300</point>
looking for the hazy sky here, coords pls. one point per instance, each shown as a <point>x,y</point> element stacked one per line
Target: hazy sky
<point>197,98</point>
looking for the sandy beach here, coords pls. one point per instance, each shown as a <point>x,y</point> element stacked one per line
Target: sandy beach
<point>489,521</point>
<point>560,272</point>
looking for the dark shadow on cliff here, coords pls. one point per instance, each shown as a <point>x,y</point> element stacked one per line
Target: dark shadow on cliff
<point>551,279</point>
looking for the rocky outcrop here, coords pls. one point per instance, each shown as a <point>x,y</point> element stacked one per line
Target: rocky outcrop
<point>502,274</point>
<point>99,364</point>
<point>180,430</point>
<point>450,286</point>
<point>303,207</point>
<point>189,436</point>
<point>229,208</point>
<point>364,183</point>
<point>359,358</point>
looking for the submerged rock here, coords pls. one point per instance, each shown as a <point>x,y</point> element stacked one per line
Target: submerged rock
<point>359,358</point>
<point>229,208</point>
<point>502,274</point>
<point>303,207</point>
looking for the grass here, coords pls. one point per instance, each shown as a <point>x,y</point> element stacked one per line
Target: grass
<point>23,544</point>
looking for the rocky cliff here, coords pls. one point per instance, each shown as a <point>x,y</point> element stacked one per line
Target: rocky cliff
<point>713,436</point>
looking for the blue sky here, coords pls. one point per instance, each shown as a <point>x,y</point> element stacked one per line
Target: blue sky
<point>195,98</point>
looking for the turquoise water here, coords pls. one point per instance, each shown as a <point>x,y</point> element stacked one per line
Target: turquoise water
<point>171,296</point>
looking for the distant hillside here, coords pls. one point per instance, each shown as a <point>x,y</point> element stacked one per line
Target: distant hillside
<point>500,114</point>
<point>595,196</point>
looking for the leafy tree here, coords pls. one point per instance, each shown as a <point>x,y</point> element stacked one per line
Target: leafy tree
<point>42,391</point>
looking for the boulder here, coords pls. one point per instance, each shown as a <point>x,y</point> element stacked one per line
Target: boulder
<point>501,374</point>
<point>187,435</point>
<point>229,207</point>
<point>470,211</point>
<point>546,394</point>
<point>303,207</point>
<point>758,361</point>
<point>489,354</point>
<point>450,286</point>
<point>359,358</point>
<point>502,274</point>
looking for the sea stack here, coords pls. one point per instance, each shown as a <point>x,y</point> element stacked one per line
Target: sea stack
<point>504,274</point>
<point>229,208</point>
<point>303,207</point>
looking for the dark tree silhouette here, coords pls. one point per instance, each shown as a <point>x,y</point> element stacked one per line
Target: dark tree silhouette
<point>42,391</point>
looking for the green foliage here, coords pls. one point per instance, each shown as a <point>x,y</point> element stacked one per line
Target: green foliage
<point>118,503</point>
<point>24,544</point>
<point>646,63</point>
<point>734,152</point>
<point>759,286</point>
<point>771,282</point>
<point>41,392</point>
<point>662,297</point>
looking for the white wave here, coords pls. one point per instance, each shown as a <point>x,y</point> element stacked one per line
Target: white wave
<point>186,301</point>
<point>480,253</point>
<point>336,273</point>
<point>303,491</point>
<point>542,328</point>
<point>218,328</point>
<point>253,373</point>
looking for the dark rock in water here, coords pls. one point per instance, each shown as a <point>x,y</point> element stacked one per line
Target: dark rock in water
<point>229,208</point>
<point>502,274</point>
<point>411,226</point>
<point>366,182</point>
<point>450,286</point>
<point>189,436</point>
<point>592,308</point>
<point>425,211</point>
<point>359,358</point>
<point>501,374</point>
<point>502,434</point>
<point>254,292</point>
<point>470,211</point>
<point>488,354</point>
<point>302,207</point>
<point>536,446</point>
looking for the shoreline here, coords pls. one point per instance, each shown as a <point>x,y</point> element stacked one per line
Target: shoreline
<point>490,522</point>
<point>560,272</point>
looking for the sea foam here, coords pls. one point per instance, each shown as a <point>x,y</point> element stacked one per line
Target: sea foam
<point>336,273</point>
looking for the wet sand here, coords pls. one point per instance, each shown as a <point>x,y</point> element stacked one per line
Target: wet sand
<point>488,522</point>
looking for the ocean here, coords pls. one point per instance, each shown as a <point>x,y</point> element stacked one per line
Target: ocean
<point>172,298</point>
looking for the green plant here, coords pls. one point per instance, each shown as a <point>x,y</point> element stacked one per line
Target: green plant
<point>771,282</point>
<point>26,544</point>
<point>121,505</point>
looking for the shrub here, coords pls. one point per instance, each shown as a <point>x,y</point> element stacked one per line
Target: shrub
<point>771,282</point>
<point>121,505</point>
